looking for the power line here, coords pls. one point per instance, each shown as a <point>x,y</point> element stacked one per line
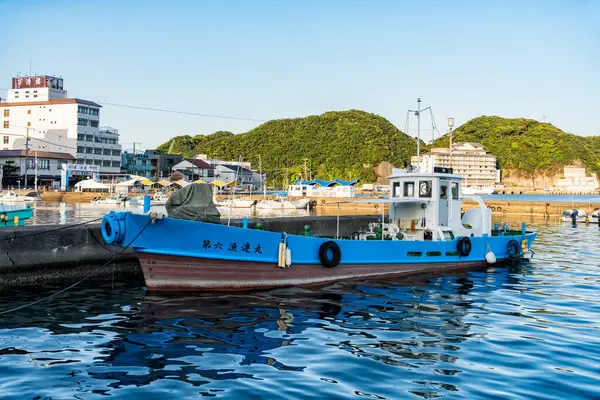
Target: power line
<point>198,114</point>
<point>179,112</point>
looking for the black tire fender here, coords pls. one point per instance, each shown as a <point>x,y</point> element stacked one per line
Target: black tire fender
<point>464,246</point>
<point>513,249</point>
<point>336,257</point>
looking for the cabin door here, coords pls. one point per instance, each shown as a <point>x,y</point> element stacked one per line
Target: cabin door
<point>443,203</point>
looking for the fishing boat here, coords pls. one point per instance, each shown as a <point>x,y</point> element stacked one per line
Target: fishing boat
<point>424,231</point>
<point>15,215</point>
<point>13,197</point>
<point>567,216</point>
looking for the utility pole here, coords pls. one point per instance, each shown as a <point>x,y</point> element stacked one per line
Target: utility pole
<point>26,156</point>
<point>261,176</point>
<point>305,169</point>
<point>450,125</point>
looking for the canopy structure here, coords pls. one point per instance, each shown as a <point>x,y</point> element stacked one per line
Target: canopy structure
<point>147,182</point>
<point>128,183</point>
<point>181,183</point>
<point>220,183</point>
<point>91,185</point>
<point>199,181</point>
<point>164,183</point>
<point>323,183</point>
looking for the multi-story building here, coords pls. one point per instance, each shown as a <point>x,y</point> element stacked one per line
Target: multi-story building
<point>139,164</point>
<point>38,107</point>
<point>469,159</point>
<point>162,163</point>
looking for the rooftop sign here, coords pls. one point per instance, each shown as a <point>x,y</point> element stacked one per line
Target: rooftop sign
<point>40,81</point>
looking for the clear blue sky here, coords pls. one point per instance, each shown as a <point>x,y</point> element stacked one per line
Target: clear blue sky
<point>275,59</point>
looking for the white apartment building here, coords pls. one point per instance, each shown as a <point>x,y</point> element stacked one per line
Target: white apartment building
<point>576,181</point>
<point>469,159</point>
<point>38,106</point>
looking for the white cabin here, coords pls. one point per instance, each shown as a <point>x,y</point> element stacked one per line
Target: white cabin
<point>427,206</point>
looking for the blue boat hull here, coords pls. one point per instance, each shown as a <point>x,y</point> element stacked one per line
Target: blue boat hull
<point>178,254</point>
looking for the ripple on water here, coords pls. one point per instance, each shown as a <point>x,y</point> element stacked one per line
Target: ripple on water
<point>528,331</point>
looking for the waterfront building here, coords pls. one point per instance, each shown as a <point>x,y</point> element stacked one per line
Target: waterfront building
<point>239,171</point>
<point>49,166</point>
<point>38,107</point>
<point>469,159</point>
<point>576,181</point>
<point>138,164</point>
<point>162,163</point>
<point>194,169</point>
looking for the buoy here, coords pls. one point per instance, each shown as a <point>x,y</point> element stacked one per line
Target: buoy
<point>16,220</point>
<point>490,257</point>
<point>288,257</point>
<point>281,259</point>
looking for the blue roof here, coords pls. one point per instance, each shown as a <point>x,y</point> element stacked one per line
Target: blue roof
<point>323,183</point>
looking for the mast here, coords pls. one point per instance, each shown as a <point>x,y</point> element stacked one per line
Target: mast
<point>418,114</point>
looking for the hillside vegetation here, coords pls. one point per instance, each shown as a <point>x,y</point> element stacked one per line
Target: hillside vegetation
<point>337,144</point>
<point>346,144</point>
<point>527,145</point>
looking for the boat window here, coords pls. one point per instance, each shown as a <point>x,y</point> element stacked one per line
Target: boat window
<point>425,189</point>
<point>434,253</point>
<point>455,190</point>
<point>409,189</point>
<point>443,192</point>
<point>452,253</point>
<point>414,254</point>
<point>396,189</point>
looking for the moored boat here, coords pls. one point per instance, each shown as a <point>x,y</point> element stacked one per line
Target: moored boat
<point>575,215</point>
<point>280,204</point>
<point>15,215</point>
<point>425,232</point>
<point>13,197</point>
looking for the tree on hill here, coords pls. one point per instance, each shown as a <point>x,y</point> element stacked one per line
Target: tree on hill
<point>336,144</point>
<point>527,145</point>
<point>177,176</point>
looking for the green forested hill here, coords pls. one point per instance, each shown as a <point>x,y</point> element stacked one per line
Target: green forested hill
<point>528,145</point>
<point>345,144</point>
<point>337,144</point>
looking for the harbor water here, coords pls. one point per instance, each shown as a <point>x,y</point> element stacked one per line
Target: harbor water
<point>529,331</point>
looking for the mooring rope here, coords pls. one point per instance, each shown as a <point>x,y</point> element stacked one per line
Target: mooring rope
<point>50,230</point>
<point>82,279</point>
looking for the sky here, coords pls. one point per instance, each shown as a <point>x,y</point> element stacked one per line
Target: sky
<point>260,60</point>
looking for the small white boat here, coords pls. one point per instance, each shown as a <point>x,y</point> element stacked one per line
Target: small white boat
<point>477,190</point>
<point>236,203</point>
<point>567,216</point>
<point>595,216</point>
<point>275,205</point>
<point>118,201</point>
<point>13,197</point>
<point>159,199</point>
<point>301,203</point>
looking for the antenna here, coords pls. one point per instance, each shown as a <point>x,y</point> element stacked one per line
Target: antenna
<point>418,112</point>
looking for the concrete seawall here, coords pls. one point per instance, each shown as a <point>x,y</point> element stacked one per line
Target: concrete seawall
<point>35,255</point>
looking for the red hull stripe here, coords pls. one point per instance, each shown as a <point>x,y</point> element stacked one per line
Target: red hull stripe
<point>186,273</point>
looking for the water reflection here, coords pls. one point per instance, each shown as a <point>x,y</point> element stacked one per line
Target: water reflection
<point>226,341</point>
<point>468,335</point>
